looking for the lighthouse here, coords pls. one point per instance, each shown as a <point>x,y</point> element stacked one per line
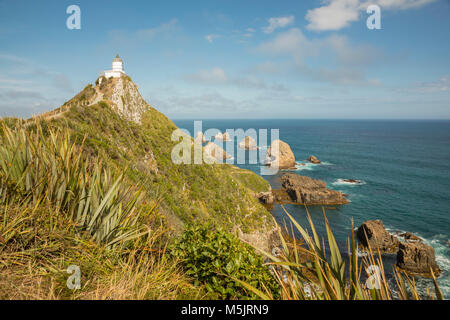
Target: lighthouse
<point>117,69</point>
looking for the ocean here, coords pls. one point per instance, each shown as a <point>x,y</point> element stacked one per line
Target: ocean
<point>404,167</point>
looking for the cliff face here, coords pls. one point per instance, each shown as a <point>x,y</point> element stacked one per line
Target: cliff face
<point>122,129</point>
<point>123,96</point>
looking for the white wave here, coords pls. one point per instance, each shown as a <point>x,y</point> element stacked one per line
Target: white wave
<point>342,182</point>
<point>304,166</point>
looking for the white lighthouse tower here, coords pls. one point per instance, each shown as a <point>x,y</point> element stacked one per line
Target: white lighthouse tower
<point>117,69</point>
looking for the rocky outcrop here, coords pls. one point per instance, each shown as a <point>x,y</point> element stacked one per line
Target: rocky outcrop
<point>226,137</point>
<point>223,137</point>
<point>200,137</point>
<point>248,144</point>
<point>413,256</point>
<point>284,158</point>
<point>305,190</point>
<point>313,159</point>
<point>372,233</point>
<point>265,197</point>
<point>125,97</point>
<point>417,258</point>
<point>212,150</point>
<point>410,237</point>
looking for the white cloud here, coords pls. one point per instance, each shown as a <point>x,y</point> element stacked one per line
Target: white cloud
<point>123,38</point>
<point>333,16</point>
<point>337,14</point>
<point>440,85</point>
<point>213,76</point>
<point>218,76</point>
<point>210,37</point>
<point>345,61</point>
<point>280,22</point>
<point>163,28</point>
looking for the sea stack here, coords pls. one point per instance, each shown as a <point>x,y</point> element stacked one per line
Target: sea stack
<point>418,258</point>
<point>248,144</point>
<point>284,158</point>
<point>372,233</point>
<point>212,150</point>
<point>313,159</point>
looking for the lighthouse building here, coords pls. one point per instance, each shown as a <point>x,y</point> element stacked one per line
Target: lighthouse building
<point>117,69</point>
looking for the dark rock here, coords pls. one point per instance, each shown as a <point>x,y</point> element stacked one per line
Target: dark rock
<point>352,181</point>
<point>265,197</point>
<point>417,258</point>
<point>305,190</point>
<point>409,236</point>
<point>372,233</point>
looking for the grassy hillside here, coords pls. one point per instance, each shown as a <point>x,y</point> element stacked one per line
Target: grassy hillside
<point>222,194</point>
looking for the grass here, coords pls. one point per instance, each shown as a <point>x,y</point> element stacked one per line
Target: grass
<point>326,276</point>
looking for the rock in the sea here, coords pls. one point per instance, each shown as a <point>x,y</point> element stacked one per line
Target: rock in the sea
<point>410,237</point>
<point>417,258</point>
<point>200,137</point>
<point>306,190</point>
<point>373,233</point>
<point>351,181</point>
<point>265,197</point>
<point>248,144</point>
<point>223,137</point>
<point>226,137</point>
<point>313,159</point>
<point>284,158</point>
<point>212,150</point>
<point>219,136</point>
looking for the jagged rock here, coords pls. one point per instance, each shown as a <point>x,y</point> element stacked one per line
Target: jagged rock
<point>226,137</point>
<point>223,137</point>
<point>306,190</point>
<point>313,159</point>
<point>284,159</point>
<point>410,237</point>
<point>248,144</point>
<point>200,137</point>
<point>124,96</point>
<point>417,258</point>
<point>212,150</point>
<point>373,233</point>
<point>265,197</point>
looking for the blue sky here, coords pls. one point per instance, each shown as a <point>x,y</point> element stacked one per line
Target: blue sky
<point>234,59</point>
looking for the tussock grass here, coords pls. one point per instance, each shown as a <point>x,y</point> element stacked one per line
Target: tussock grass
<point>59,208</point>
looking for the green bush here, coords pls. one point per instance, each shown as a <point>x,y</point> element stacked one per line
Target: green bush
<point>214,257</point>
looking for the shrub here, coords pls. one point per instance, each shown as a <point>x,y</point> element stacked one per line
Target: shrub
<point>216,258</point>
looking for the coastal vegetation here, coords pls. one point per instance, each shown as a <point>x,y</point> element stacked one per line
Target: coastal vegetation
<point>84,185</point>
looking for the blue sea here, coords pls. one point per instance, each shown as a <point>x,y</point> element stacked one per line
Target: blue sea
<point>404,167</point>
